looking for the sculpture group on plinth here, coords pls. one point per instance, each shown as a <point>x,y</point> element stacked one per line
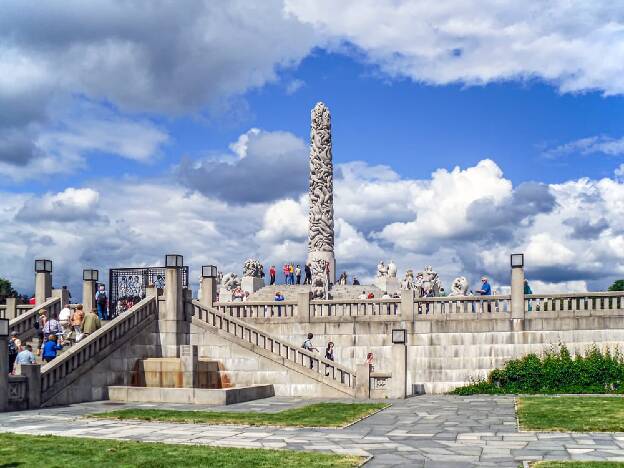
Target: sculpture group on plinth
<point>386,279</point>
<point>253,276</point>
<point>230,283</point>
<point>459,287</point>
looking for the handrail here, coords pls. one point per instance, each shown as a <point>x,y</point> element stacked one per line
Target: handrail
<point>100,344</point>
<point>258,309</point>
<point>24,324</point>
<point>338,373</point>
<point>581,294</point>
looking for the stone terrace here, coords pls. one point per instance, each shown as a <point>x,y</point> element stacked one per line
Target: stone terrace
<point>427,431</point>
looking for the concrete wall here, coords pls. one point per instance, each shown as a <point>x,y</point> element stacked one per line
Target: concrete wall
<point>242,366</point>
<point>444,354</point>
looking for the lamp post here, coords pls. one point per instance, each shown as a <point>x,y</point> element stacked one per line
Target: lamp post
<point>43,280</point>
<point>4,364</point>
<point>171,320</point>
<point>208,285</point>
<point>517,285</point>
<point>89,283</point>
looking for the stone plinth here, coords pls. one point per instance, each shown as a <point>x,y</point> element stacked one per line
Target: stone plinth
<point>388,284</point>
<point>251,284</point>
<point>203,396</point>
<point>225,295</point>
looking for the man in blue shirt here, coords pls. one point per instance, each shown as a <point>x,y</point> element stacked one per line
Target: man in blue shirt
<point>26,356</point>
<point>486,289</point>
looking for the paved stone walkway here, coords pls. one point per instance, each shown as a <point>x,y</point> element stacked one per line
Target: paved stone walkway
<point>427,431</point>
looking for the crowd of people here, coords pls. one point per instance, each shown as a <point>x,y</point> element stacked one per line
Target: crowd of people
<point>292,274</point>
<point>54,331</point>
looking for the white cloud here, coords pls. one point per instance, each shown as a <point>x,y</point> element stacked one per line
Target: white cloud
<point>574,44</point>
<point>294,85</point>
<point>590,145</point>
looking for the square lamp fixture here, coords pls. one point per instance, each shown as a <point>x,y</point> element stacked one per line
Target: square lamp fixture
<point>4,327</point>
<point>174,261</point>
<point>90,275</point>
<point>43,266</point>
<point>209,271</point>
<point>399,336</point>
<point>517,260</point>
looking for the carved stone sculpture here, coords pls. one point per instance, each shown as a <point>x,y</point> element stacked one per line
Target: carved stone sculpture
<point>320,283</point>
<point>459,286</point>
<point>231,281</point>
<point>321,215</point>
<point>408,281</point>
<point>382,270</point>
<point>343,278</point>
<point>428,281</point>
<point>253,268</point>
<point>392,269</point>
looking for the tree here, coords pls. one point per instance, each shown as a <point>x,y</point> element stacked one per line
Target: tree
<point>618,285</point>
<point>6,289</point>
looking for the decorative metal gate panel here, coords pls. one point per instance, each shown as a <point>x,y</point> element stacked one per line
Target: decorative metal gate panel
<point>129,284</point>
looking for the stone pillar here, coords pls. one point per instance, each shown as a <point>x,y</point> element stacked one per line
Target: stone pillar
<point>208,286</point>
<point>517,288</point>
<point>88,295</point>
<point>321,214</point>
<point>189,357</point>
<point>11,308</point>
<point>170,320</point>
<point>33,373</point>
<point>43,286</point>
<point>63,294</point>
<point>4,373</point>
<point>303,306</point>
<point>362,381</point>
<point>398,383</point>
<point>407,304</point>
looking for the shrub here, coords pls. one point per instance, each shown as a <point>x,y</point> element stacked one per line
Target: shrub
<point>556,371</point>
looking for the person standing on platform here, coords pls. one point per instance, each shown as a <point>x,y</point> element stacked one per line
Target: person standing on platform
<point>101,300</point>
<point>272,273</point>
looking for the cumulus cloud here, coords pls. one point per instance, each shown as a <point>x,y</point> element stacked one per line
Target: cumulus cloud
<point>263,166</point>
<point>473,42</point>
<point>72,204</point>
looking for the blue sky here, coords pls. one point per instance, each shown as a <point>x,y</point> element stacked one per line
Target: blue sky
<point>453,146</point>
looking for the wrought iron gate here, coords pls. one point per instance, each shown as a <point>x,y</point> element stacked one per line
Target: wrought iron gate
<point>129,284</point>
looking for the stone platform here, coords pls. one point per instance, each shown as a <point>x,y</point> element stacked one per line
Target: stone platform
<point>199,396</point>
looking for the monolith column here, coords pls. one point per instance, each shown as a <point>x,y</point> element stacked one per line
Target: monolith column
<point>321,215</point>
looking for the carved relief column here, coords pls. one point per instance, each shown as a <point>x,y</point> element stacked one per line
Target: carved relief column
<point>321,216</point>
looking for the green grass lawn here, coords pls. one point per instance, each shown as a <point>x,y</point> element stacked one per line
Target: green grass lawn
<point>574,414</point>
<point>577,464</point>
<point>68,452</point>
<point>316,415</point>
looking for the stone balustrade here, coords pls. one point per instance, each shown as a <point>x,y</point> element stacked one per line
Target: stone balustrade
<point>594,302</point>
<point>24,324</point>
<point>12,312</point>
<point>353,308</point>
<point>456,305</point>
<point>258,309</point>
<point>63,370</point>
<point>328,370</point>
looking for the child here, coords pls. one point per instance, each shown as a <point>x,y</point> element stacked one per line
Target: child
<point>50,348</point>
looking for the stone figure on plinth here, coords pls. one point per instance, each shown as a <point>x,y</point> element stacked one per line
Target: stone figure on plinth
<point>253,276</point>
<point>459,287</point>
<point>229,283</point>
<point>408,280</point>
<point>384,281</point>
<point>321,193</point>
<point>428,282</point>
<point>320,279</point>
<point>392,269</point>
<point>343,278</point>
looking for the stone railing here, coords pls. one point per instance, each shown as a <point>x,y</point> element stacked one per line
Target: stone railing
<point>462,305</point>
<point>18,310</point>
<point>85,354</point>
<point>24,325</point>
<point>339,375</point>
<point>258,309</point>
<point>590,302</point>
<point>353,308</point>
